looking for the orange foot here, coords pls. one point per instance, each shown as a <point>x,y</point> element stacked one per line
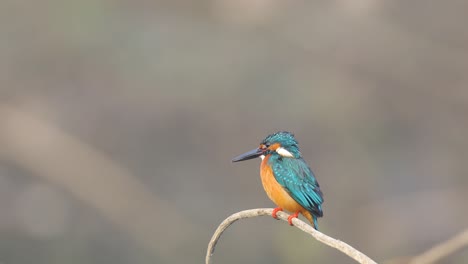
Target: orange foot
<point>290,218</point>
<point>276,210</point>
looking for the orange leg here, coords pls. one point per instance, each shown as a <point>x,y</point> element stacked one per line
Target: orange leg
<point>277,209</point>
<point>290,218</point>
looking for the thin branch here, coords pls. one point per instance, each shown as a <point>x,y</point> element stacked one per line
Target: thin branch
<point>329,241</point>
<point>442,250</point>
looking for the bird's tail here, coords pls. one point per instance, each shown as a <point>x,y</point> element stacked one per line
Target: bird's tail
<point>312,219</point>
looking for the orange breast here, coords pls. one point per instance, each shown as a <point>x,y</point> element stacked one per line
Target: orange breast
<point>275,191</point>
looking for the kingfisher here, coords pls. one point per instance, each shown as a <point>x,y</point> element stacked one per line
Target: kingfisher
<point>287,179</point>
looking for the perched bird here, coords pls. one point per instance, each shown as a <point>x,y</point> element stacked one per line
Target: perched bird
<point>286,177</point>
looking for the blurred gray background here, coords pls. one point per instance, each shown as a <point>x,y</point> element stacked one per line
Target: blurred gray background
<point>118,121</point>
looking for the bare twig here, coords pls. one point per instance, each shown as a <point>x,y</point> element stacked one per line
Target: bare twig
<point>340,245</point>
<point>442,250</point>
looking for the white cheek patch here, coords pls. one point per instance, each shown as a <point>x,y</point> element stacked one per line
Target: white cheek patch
<point>283,152</point>
<point>262,156</point>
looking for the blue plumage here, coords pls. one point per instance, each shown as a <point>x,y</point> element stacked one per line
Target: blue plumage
<point>299,181</point>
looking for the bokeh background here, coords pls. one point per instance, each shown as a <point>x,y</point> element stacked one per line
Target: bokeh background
<point>118,121</point>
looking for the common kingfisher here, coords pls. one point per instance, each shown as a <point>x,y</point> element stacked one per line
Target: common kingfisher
<point>287,179</point>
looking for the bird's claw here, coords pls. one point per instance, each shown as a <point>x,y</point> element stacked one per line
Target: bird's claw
<point>291,217</point>
<point>276,210</point>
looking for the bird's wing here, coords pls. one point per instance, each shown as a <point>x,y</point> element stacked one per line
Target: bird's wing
<point>295,176</point>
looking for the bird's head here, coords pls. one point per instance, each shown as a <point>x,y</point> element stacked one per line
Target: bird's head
<point>280,143</point>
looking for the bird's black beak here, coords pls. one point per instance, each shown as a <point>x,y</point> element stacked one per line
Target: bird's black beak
<point>249,155</point>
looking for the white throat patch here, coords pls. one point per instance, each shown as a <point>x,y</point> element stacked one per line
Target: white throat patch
<point>262,156</point>
<point>283,152</point>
